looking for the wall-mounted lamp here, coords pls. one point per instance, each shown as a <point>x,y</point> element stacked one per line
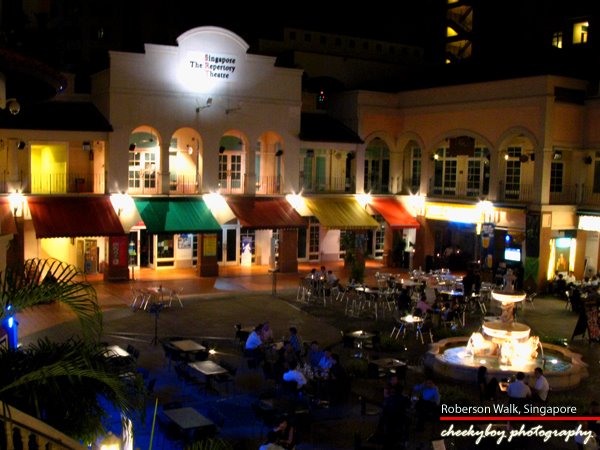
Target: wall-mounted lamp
<point>208,104</point>
<point>506,157</point>
<point>122,203</point>
<point>21,145</point>
<point>86,146</point>
<point>523,158</point>
<point>587,160</point>
<point>16,201</point>
<point>221,150</point>
<point>190,149</point>
<point>14,107</point>
<point>557,156</point>
<point>131,147</point>
<point>279,152</point>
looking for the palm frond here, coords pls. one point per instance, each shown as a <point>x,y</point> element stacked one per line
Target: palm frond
<point>40,281</point>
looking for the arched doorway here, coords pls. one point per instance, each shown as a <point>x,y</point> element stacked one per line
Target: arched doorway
<point>144,161</point>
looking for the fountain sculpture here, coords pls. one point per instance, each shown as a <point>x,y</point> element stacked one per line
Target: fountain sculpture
<point>505,347</point>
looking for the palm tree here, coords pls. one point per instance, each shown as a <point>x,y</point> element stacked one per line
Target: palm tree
<point>40,281</point>
<point>64,384</point>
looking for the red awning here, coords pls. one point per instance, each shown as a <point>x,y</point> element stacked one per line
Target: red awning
<point>7,221</point>
<point>393,212</point>
<point>74,217</point>
<point>265,213</point>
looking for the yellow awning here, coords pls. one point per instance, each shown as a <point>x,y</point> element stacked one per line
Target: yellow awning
<point>341,213</point>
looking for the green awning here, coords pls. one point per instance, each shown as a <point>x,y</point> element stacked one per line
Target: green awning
<point>176,215</point>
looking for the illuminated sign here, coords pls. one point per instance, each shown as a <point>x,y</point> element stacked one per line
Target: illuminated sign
<point>212,66</point>
<point>589,223</point>
<point>453,213</point>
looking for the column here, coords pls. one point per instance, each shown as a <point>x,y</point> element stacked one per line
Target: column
<point>249,169</point>
<point>165,179</point>
<point>288,251</point>
<point>207,265</point>
<point>360,169</point>
<point>424,245</point>
<point>580,254</point>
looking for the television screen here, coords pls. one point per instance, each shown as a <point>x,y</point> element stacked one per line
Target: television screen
<point>512,254</point>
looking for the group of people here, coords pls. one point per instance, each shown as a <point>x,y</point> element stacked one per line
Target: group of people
<point>518,390</point>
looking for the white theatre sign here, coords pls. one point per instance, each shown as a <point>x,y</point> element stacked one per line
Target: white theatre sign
<point>212,65</point>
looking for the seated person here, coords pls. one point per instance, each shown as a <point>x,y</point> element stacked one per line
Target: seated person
<point>540,387</point>
<point>428,400</point>
<point>285,434</point>
<point>332,280</point>
<point>570,278</point>
<point>293,374</point>
<point>314,354</point>
<point>266,333</point>
<point>423,306</point>
<point>518,391</point>
<point>403,300</point>
<point>326,361</point>
<point>271,442</point>
<point>561,286</point>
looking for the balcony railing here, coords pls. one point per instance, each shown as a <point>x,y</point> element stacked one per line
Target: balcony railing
<point>20,431</point>
<point>458,190</point>
<point>568,195</point>
<point>270,184</point>
<point>332,184</point>
<point>232,184</point>
<point>183,184</point>
<point>58,183</point>
<point>520,193</point>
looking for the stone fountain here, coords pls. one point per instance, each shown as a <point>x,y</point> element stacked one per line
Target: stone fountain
<point>505,347</point>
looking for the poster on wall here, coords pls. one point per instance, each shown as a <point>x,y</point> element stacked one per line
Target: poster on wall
<point>487,245</point>
<point>209,245</point>
<point>184,241</point>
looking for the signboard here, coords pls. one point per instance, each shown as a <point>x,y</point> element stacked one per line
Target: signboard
<point>209,65</point>
<point>209,245</point>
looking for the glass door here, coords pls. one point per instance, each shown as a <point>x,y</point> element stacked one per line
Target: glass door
<point>228,245</point>
<point>230,171</point>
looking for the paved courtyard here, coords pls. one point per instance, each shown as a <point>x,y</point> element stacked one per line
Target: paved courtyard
<point>211,309</point>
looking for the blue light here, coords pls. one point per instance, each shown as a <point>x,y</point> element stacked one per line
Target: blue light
<point>11,322</point>
<point>9,307</point>
<point>507,238</point>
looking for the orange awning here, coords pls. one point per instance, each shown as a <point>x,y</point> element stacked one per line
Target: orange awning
<point>393,212</point>
<point>7,221</point>
<point>61,216</point>
<point>265,213</point>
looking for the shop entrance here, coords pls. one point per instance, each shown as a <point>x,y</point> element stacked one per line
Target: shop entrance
<point>227,245</point>
<point>87,255</point>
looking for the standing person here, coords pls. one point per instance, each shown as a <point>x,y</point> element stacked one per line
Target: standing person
<point>296,341</point>
<point>266,334</point>
<point>314,354</point>
<point>488,390</point>
<point>540,387</point>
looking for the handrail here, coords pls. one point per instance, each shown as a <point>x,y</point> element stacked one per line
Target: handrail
<point>12,418</point>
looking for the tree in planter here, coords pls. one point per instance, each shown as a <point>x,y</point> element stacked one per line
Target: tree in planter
<point>354,256</point>
<point>62,384</point>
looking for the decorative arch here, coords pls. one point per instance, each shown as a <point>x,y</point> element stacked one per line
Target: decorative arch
<point>144,160</point>
<point>185,161</point>
<point>517,133</point>
<point>450,153</point>
<point>269,163</point>
<point>411,148</point>
<point>378,151</point>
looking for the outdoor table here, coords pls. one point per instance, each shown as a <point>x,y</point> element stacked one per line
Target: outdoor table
<point>209,369</point>
<point>116,351</point>
<point>188,345</point>
<point>388,363</point>
<point>190,421</point>
<point>360,337</point>
<point>411,321</point>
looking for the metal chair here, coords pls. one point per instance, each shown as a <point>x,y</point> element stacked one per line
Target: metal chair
<point>175,295</point>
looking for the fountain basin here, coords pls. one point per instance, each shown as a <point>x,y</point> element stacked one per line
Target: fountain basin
<point>563,368</point>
